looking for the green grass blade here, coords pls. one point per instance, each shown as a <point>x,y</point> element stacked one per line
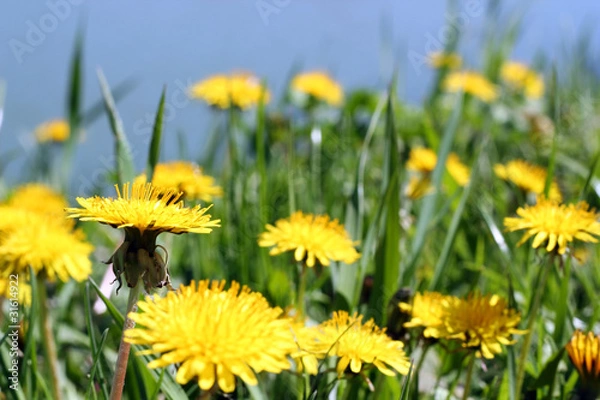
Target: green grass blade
<point>96,348</point>
<point>154,151</point>
<point>75,91</point>
<point>429,203</point>
<point>112,310</point>
<point>124,161</point>
<point>97,368</point>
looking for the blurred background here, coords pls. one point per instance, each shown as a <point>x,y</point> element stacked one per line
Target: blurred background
<point>145,45</point>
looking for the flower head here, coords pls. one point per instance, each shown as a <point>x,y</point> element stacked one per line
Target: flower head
<point>356,343</point>
<point>555,224</point>
<point>519,76</point>
<point>483,323</point>
<point>39,198</point>
<point>19,290</point>
<point>186,177</point>
<point>319,85</point>
<point>57,130</point>
<point>472,83</point>
<point>424,160</point>
<point>144,211</point>
<point>45,243</point>
<point>241,90</point>
<point>314,237</point>
<point>528,177</point>
<point>584,352</point>
<point>214,334</point>
<point>427,311</point>
<point>440,59</point>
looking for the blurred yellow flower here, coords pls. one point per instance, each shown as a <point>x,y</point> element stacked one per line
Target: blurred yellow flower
<point>57,130</point>
<point>355,344</point>
<point>584,352</point>
<point>305,356</point>
<point>483,323</point>
<point>45,243</point>
<point>18,290</point>
<point>214,334</point>
<point>426,310</point>
<point>528,177</point>
<point>144,211</point>
<point>472,83</point>
<point>440,59</point>
<point>319,85</point>
<point>424,160</point>
<point>38,198</point>
<point>186,177</point>
<point>242,90</point>
<point>312,237</point>
<point>519,76</point>
<point>555,223</point>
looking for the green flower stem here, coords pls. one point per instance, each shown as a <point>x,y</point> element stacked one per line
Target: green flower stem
<point>121,367</point>
<point>301,291</point>
<point>469,376</point>
<point>48,344</point>
<point>535,306</point>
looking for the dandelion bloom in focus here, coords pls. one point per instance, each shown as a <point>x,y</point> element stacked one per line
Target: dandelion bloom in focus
<point>555,224</point>
<point>356,343</point>
<point>319,85</point>
<point>439,59</point>
<point>186,177</point>
<point>144,212</point>
<point>214,334</point>
<point>46,244</point>
<point>242,90</point>
<point>472,83</point>
<point>584,352</point>
<point>426,311</point>
<point>57,130</point>
<point>311,237</point>
<point>482,323</point>
<point>519,76</point>
<point>528,177</point>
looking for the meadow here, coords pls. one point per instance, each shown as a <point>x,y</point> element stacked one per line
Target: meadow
<point>325,243</point>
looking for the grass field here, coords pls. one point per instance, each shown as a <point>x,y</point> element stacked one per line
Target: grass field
<point>388,251</point>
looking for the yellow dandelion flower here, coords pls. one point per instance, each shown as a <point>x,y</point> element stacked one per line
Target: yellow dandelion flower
<point>424,160</point>
<point>305,355</point>
<point>18,291</point>
<point>472,83</point>
<point>46,244</point>
<point>57,130</point>
<point>144,212</point>
<point>241,90</point>
<point>528,177</point>
<point>312,237</point>
<point>584,352</point>
<point>555,223</point>
<point>426,311</point>
<point>440,59</point>
<point>186,177</point>
<point>519,76</point>
<point>319,85</point>
<point>38,198</point>
<point>214,334</point>
<point>421,159</point>
<point>483,323</point>
<point>355,344</point>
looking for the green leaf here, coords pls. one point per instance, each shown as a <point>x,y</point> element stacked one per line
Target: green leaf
<point>154,151</point>
<point>124,162</point>
<point>547,376</point>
